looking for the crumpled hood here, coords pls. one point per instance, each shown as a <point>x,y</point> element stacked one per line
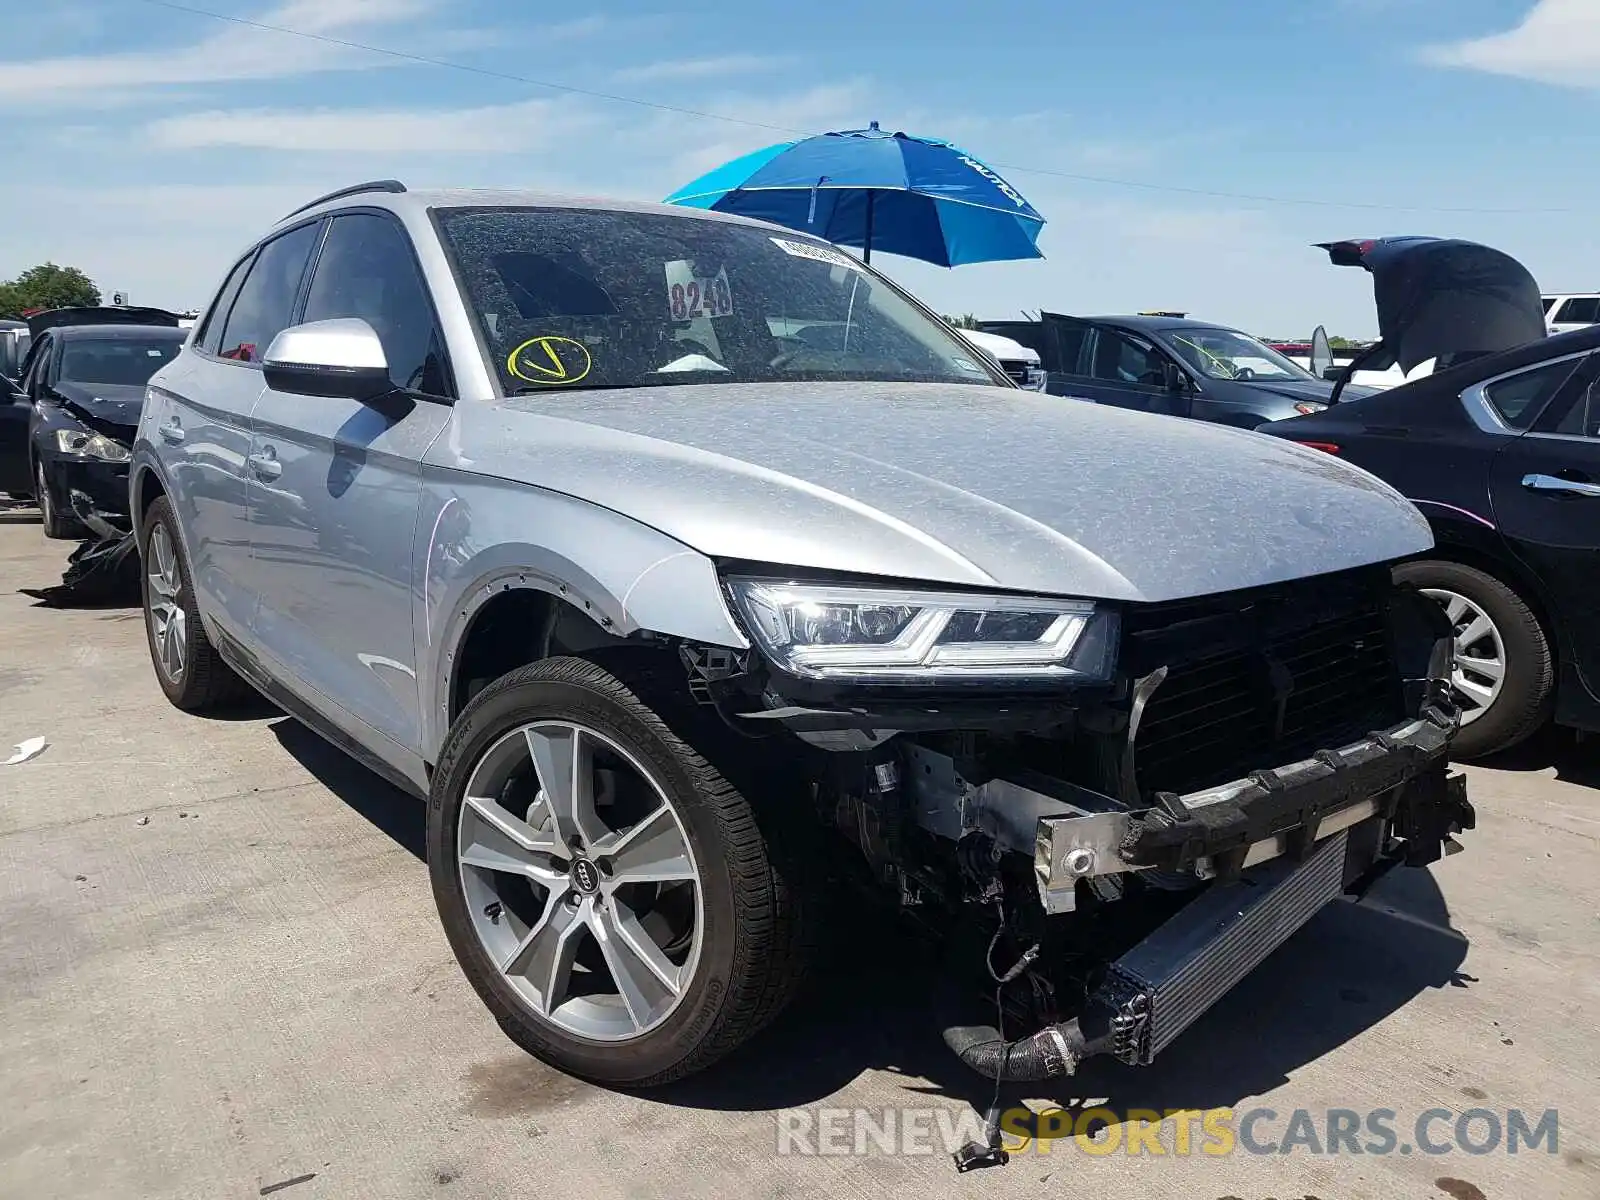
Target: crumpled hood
<point>112,403</point>
<point>971,485</point>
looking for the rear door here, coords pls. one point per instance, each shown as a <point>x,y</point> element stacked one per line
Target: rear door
<point>1546,493</point>
<point>1064,351</point>
<point>335,486</point>
<point>199,413</point>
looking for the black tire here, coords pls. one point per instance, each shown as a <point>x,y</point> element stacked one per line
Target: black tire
<point>59,526</point>
<point>206,683</point>
<point>1525,699</point>
<point>751,954</point>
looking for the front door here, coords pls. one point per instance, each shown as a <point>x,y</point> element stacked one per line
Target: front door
<point>1130,372</point>
<point>199,416</point>
<point>335,487</point>
<point>1546,489</point>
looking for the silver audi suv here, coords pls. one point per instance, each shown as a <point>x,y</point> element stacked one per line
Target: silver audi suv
<point>692,571</point>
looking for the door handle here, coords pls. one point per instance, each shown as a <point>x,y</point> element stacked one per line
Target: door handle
<point>1554,483</point>
<point>171,431</point>
<point>265,466</point>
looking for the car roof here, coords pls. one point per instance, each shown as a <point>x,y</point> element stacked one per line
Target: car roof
<point>391,195</point>
<point>101,332</point>
<point>1453,380</point>
<point>1153,323</point>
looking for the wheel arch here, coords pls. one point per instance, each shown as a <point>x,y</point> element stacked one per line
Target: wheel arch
<point>1485,549</point>
<point>147,486</point>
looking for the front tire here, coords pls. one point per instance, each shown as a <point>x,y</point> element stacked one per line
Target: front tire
<point>1504,672</point>
<point>191,673</point>
<point>606,890</point>
<point>58,526</point>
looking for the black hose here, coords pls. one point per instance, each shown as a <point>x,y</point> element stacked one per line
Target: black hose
<point>1054,1051</point>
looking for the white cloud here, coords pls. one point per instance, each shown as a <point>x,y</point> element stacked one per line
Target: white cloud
<point>700,68</point>
<point>1558,42</point>
<point>227,53</point>
<point>491,129</point>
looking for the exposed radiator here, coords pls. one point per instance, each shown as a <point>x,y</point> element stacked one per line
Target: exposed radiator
<point>1162,986</point>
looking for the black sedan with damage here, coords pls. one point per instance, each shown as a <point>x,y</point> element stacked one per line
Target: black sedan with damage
<point>84,383</point>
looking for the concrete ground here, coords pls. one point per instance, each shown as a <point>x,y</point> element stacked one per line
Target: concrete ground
<point>221,975</point>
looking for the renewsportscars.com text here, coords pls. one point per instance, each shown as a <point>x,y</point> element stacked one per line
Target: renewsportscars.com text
<point>1215,1132</point>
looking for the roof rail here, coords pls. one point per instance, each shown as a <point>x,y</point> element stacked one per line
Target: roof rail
<point>376,185</point>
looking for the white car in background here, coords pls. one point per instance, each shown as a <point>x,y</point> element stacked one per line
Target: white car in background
<point>1020,362</point>
<point>1566,311</point>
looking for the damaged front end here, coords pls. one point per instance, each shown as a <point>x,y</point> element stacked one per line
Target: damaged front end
<point>104,568</point>
<point>1141,840</point>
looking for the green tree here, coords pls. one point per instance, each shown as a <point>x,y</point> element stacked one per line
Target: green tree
<point>47,286</point>
<point>964,321</point>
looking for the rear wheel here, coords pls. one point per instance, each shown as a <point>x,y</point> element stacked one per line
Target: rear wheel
<point>1504,672</point>
<point>188,668</point>
<point>58,525</point>
<point>605,889</point>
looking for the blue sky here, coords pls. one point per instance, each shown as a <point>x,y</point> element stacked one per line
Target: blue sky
<point>147,144</point>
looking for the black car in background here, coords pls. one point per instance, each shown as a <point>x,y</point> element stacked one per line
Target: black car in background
<point>1169,363</point>
<point>82,389</point>
<point>14,338</point>
<point>1502,454</point>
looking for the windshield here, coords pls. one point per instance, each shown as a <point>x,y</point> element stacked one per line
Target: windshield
<point>125,360</point>
<point>1229,354</point>
<point>585,299</point>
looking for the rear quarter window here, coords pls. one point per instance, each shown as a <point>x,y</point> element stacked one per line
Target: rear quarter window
<point>1519,398</point>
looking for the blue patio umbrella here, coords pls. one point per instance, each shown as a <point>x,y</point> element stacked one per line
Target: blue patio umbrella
<point>893,192</point>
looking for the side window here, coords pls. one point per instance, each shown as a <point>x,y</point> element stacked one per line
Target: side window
<point>37,363</point>
<point>210,330</point>
<point>367,270</point>
<point>1583,418</point>
<point>1120,359</point>
<point>1580,310</point>
<point>1519,398</point>
<point>265,304</point>
<point>1070,337</point>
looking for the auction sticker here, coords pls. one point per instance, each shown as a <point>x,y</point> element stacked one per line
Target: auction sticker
<point>550,361</point>
<point>822,254</point>
<point>690,295</point>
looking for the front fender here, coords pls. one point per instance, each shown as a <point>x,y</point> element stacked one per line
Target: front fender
<point>478,536</point>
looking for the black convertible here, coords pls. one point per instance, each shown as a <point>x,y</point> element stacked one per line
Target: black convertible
<point>1501,452</point>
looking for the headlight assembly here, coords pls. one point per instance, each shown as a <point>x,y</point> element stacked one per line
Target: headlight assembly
<point>91,445</point>
<point>844,633</point>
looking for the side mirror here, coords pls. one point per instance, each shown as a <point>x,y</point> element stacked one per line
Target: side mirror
<point>1331,374</point>
<point>1321,353</point>
<point>342,359</point>
<point>1173,378</point>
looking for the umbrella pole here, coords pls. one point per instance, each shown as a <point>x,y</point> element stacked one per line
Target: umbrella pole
<point>866,249</point>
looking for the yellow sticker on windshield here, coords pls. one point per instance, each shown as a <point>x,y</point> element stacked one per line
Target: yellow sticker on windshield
<point>550,360</point>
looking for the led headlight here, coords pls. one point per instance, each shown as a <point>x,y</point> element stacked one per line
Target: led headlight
<point>1036,379</point>
<point>839,632</point>
<point>91,445</point>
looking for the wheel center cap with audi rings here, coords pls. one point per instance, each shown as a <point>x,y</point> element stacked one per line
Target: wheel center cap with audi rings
<point>585,876</point>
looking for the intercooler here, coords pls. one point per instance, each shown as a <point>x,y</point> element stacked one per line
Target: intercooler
<point>1159,988</point>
